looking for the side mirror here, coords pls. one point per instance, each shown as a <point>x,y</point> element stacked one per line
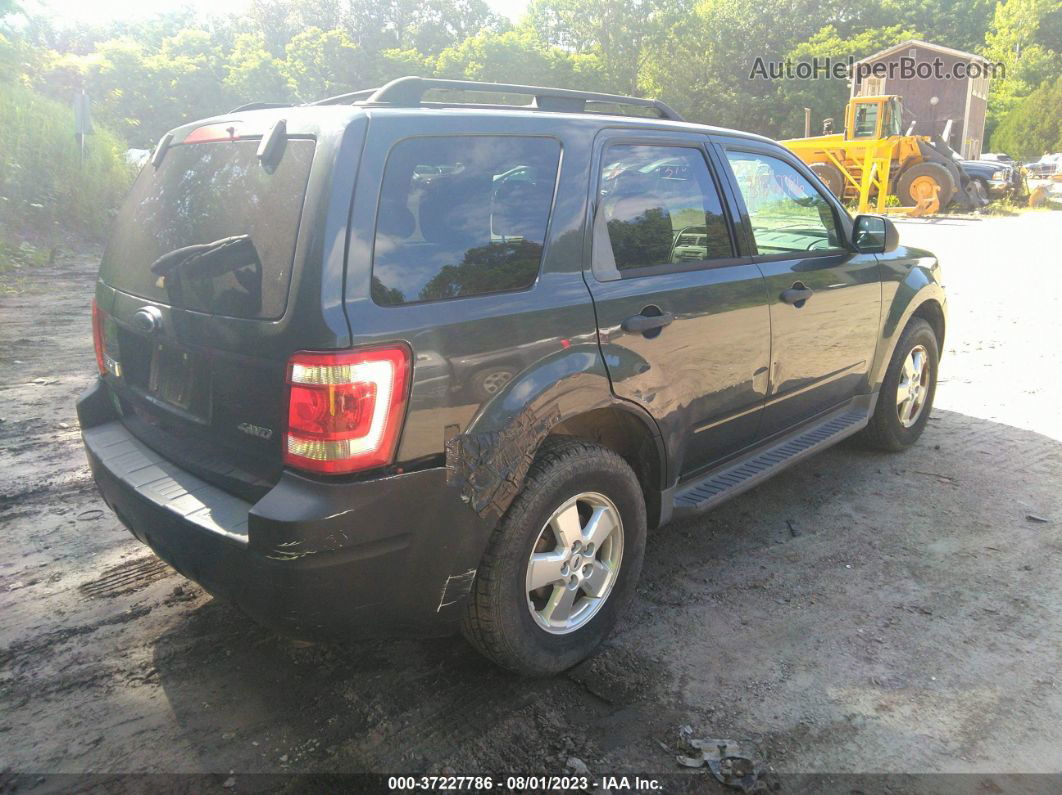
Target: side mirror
<point>875,234</point>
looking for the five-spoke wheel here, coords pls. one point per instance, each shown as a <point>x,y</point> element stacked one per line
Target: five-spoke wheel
<point>575,562</point>
<point>563,561</point>
<point>913,387</point>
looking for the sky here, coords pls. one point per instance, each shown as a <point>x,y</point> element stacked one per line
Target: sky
<point>88,10</point>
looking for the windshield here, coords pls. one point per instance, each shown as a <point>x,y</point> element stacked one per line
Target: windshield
<point>212,229</point>
<point>893,121</point>
<point>866,120</point>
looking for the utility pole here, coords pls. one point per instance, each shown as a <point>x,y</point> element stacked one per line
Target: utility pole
<point>82,122</point>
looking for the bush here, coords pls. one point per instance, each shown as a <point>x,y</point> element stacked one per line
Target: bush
<point>1034,127</point>
<point>46,192</point>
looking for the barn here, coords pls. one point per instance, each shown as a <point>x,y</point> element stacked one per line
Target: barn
<point>938,85</point>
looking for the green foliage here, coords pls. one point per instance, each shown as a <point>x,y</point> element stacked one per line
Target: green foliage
<point>622,34</point>
<point>518,56</point>
<point>1026,37</point>
<point>325,63</point>
<point>254,72</point>
<point>146,75</point>
<point>45,190</point>
<point>1034,126</point>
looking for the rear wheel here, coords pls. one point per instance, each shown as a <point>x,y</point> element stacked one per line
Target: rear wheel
<point>907,393</point>
<point>925,181</point>
<point>831,176</point>
<point>562,563</point>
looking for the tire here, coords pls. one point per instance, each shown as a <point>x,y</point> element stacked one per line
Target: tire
<point>831,177</point>
<point>886,430</point>
<point>503,619</point>
<point>487,383</point>
<point>914,178</point>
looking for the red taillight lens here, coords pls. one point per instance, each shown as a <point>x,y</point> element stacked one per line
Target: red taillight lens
<point>97,336</point>
<point>345,410</point>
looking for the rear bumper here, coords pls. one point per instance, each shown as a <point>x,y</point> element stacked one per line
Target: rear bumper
<point>313,558</point>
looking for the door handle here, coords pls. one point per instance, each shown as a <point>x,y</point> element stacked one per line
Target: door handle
<point>797,294</point>
<point>639,324</point>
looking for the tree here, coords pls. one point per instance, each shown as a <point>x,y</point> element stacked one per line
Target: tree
<point>621,34</point>
<point>706,66</point>
<point>518,56</point>
<point>254,74</point>
<point>1034,126</point>
<point>324,63</point>
<point>954,23</point>
<point>1024,37</point>
<point>428,26</point>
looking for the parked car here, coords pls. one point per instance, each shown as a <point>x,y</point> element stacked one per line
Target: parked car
<point>993,180</point>
<point>997,157</point>
<point>286,292</point>
<point>1046,166</point>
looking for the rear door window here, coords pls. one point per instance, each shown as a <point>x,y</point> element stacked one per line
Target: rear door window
<point>462,216</point>
<point>657,207</point>
<point>212,229</point>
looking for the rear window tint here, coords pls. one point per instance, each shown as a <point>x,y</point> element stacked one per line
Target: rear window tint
<point>462,216</point>
<point>212,229</point>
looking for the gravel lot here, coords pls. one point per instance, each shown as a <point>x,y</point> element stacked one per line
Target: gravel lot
<point>860,614</point>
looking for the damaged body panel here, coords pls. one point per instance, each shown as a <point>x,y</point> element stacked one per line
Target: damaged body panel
<point>311,559</point>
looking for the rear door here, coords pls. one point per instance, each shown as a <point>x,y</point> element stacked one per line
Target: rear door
<point>682,317</point>
<point>825,298</point>
<point>194,300</point>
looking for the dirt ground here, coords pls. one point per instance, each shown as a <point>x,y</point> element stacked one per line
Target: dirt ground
<point>859,614</point>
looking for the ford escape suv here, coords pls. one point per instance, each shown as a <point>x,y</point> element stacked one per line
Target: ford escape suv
<point>403,361</point>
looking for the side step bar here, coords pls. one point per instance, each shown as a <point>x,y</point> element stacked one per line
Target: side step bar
<point>734,477</point>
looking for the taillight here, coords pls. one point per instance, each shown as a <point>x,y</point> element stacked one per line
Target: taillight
<point>345,410</point>
<point>97,337</point>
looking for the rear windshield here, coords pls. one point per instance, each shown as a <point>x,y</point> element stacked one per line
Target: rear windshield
<point>212,229</point>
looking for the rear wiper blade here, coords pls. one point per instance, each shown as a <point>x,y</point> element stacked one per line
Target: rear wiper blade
<point>203,259</point>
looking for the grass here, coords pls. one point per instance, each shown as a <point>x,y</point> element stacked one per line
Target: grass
<point>47,193</point>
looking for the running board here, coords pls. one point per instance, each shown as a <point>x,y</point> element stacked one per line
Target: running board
<point>752,469</point>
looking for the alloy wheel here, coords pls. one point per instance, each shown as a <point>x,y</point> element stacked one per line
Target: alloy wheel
<point>574,563</point>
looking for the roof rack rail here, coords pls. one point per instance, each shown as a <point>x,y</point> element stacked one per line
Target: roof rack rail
<point>260,106</point>
<point>408,92</point>
<point>352,96</point>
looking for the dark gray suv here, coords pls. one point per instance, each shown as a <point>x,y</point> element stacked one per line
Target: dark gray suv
<point>400,362</point>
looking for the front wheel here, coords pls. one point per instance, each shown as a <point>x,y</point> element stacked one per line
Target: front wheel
<point>907,393</point>
<point>925,182</point>
<point>831,177</point>
<point>562,563</point>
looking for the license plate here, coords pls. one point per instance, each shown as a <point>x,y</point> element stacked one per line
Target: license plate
<point>175,376</point>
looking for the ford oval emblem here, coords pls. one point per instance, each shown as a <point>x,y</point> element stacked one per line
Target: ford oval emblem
<point>148,319</point>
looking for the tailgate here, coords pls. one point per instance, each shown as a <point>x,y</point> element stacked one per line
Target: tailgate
<point>194,282</point>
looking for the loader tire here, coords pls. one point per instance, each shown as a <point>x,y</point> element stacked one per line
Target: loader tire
<point>920,180</point>
<point>831,177</point>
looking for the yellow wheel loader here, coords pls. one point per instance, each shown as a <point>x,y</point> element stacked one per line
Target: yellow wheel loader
<point>873,158</point>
